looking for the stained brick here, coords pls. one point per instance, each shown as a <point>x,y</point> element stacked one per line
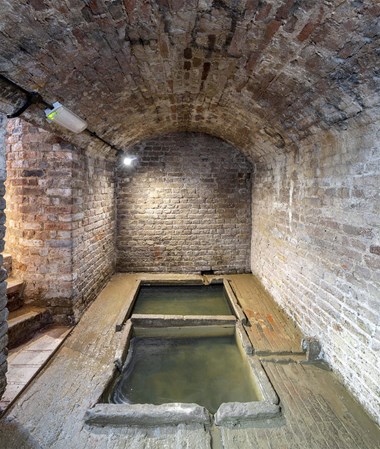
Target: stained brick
<point>322,272</point>
<point>375,249</point>
<point>3,296</point>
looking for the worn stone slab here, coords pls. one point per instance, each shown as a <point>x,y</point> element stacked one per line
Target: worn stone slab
<point>126,310</point>
<point>14,285</point>
<point>181,320</point>
<point>215,330</point>
<point>243,339</point>
<point>263,382</point>
<point>123,344</point>
<point>318,413</point>
<point>146,414</point>
<point>24,322</point>
<point>235,413</point>
<point>169,278</point>
<point>234,302</point>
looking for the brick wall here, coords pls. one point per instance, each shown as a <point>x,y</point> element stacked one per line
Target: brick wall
<point>94,220</point>
<point>3,295</point>
<point>39,208</point>
<point>316,247</point>
<point>52,190</point>
<point>184,207</point>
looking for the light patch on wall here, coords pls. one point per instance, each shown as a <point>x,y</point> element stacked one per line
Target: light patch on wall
<point>291,188</point>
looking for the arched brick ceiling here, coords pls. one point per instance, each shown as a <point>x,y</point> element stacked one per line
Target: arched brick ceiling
<point>260,74</point>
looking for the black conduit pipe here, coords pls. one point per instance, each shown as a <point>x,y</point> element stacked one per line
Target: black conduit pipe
<point>34,98</point>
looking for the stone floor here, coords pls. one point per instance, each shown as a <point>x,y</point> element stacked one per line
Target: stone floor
<point>317,411</point>
<point>26,360</point>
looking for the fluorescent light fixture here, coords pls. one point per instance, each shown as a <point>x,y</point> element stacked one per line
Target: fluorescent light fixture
<point>64,117</point>
<point>128,160</point>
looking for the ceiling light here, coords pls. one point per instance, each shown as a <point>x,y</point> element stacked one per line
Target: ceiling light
<point>128,160</point>
<point>64,117</point>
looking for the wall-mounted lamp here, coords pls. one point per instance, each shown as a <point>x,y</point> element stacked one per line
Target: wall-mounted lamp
<point>128,160</point>
<point>64,117</point>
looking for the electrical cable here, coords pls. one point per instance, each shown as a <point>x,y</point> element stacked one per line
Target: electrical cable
<point>34,98</point>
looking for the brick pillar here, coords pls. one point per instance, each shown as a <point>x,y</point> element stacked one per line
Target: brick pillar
<point>3,295</point>
<point>39,215</point>
<point>60,219</point>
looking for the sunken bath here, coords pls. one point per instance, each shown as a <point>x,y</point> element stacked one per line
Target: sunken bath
<point>182,299</point>
<point>192,368</point>
<point>201,299</point>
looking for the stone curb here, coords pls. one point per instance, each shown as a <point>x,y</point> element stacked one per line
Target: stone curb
<point>180,320</point>
<point>146,414</point>
<point>235,413</point>
<point>234,302</point>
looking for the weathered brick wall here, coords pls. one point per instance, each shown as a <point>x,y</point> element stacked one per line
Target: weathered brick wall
<point>53,191</point>
<point>3,288</point>
<point>94,223</point>
<point>184,207</point>
<point>316,247</point>
<point>39,210</point>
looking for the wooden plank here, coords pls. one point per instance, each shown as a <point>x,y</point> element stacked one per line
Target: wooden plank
<point>271,329</point>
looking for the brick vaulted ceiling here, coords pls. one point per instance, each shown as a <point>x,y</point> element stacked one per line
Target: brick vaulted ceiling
<point>259,74</point>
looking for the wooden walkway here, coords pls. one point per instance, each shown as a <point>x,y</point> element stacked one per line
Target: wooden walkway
<point>271,330</point>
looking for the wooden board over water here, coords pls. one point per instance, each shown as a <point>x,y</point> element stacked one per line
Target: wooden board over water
<point>271,331</point>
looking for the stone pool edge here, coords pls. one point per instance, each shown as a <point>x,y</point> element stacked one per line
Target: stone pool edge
<point>229,414</point>
<point>147,414</point>
<point>131,297</point>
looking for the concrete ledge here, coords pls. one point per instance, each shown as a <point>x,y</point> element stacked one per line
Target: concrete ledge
<point>234,302</point>
<point>195,279</point>
<point>146,414</point>
<point>180,320</point>
<point>209,330</point>
<point>123,344</point>
<point>266,388</point>
<point>235,413</point>
<point>129,303</point>
<point>243,339</point>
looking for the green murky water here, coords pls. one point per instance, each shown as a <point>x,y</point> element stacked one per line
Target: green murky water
<point>182,300</point>
<point>206,371</point>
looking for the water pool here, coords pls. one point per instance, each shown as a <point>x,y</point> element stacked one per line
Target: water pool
<point>182,300</point>
<point>207,371</point>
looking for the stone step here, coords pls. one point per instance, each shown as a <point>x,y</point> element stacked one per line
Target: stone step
<point>7,263</point>
<point>25,361</point>
<point>25,322</point>
<point>15,289</point>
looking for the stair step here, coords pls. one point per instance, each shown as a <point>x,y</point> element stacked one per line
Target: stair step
<point>14,285</point>
<point>25,361</point>
<point>7,263</point>
<point>25,322</point>
<point>15,288</point>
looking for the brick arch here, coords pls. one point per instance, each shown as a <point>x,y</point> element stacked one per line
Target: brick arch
<point>253,73</point>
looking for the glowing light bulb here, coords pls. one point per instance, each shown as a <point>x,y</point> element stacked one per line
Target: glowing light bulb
<point>128,160</point>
